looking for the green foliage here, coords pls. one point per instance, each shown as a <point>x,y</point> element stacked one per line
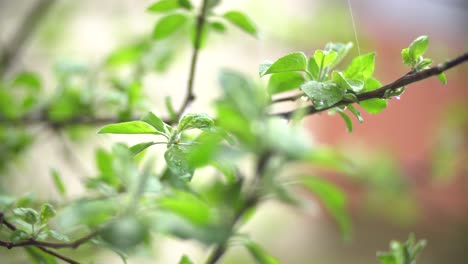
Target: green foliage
<point>125,233</point>
<point>333,200</point>
<point>259,254</point>
<point>291,62</point>
<point>413,56</point>
<point>58,182</point>
<point>325,88</point>
<point>185,260</point>
<point>240,20</point>
<point>129,199</point>
<point>402,253</point>
<point>168,25</point>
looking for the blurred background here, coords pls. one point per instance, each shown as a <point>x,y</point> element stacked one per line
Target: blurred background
<point>412,157</point>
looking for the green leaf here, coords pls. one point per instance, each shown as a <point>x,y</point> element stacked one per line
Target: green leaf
<point>199,121</point>
<point>6,202</point>
<point>29,215</point>
<point>371,84</point>
<point>164,6</point>
<point>169,24</point>
<point>185,260</point>
<point>205,150</point>
<point>374,106</point>
<point>323,94</point>
<point>263,68</point>
<point>349,123</point>
<point>217,26</point>
<point>59,236</point>
<point>29,80</point>
<point>242,21</point>
<point>104,161</point>
<point>324,58</point>
<point>442,78</point>
<point>132,127</point>
<point>125,233</point>
<point>185,4</point>
<point>333,199</point>
<point>418,47</point>
<point>260,255</point>
<point>341,49</point>
<point>423,64</point>
<point>170,108</point>
<point>313,68</point>
<point>38,256</point>
<point>285,81</point>
<point>188,207</point>
<point>361,67</point>
<point>127,55</point>
<point>47,212</point>
<point>158,124</point>
<point>58,182</point>
<point>294,143</point>
<point>356,113</point>
<point>402,253</point>
<point>296,61</point>
<point>136,149</point>
<point>177,161</point>
<point>407,59</point>
<point>18,236</point>
<point>348,84</point>
<point>239,93</point>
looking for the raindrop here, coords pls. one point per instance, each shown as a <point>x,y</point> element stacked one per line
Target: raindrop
<point>397,97</point>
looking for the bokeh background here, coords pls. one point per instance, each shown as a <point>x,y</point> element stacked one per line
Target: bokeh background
<point>412,157</point>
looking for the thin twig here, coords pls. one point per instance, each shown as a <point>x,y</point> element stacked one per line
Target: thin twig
<point>25,30</point>
<point>57,255</point>
<point>32,242</point>
<point>190,96</point>
<point>34,119</point>
<point>379,93</point>
<point>43,245</point>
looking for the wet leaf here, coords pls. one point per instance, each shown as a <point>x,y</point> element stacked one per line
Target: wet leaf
<point>323,94</point>
<point>292,62</point>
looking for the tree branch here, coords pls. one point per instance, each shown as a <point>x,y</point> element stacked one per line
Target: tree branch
<point>190,96</point>
<point>379,93</point>
<point>43,245</point>
<point>33,119</point>
<point>25,30</point>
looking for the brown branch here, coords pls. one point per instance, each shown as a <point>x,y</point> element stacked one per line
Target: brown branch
<point>57,255</point>
<point>379,93</point>
<point>190,97</point>
<point>43,245</point>
<point>25,30</point>
<point>32,242</point>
